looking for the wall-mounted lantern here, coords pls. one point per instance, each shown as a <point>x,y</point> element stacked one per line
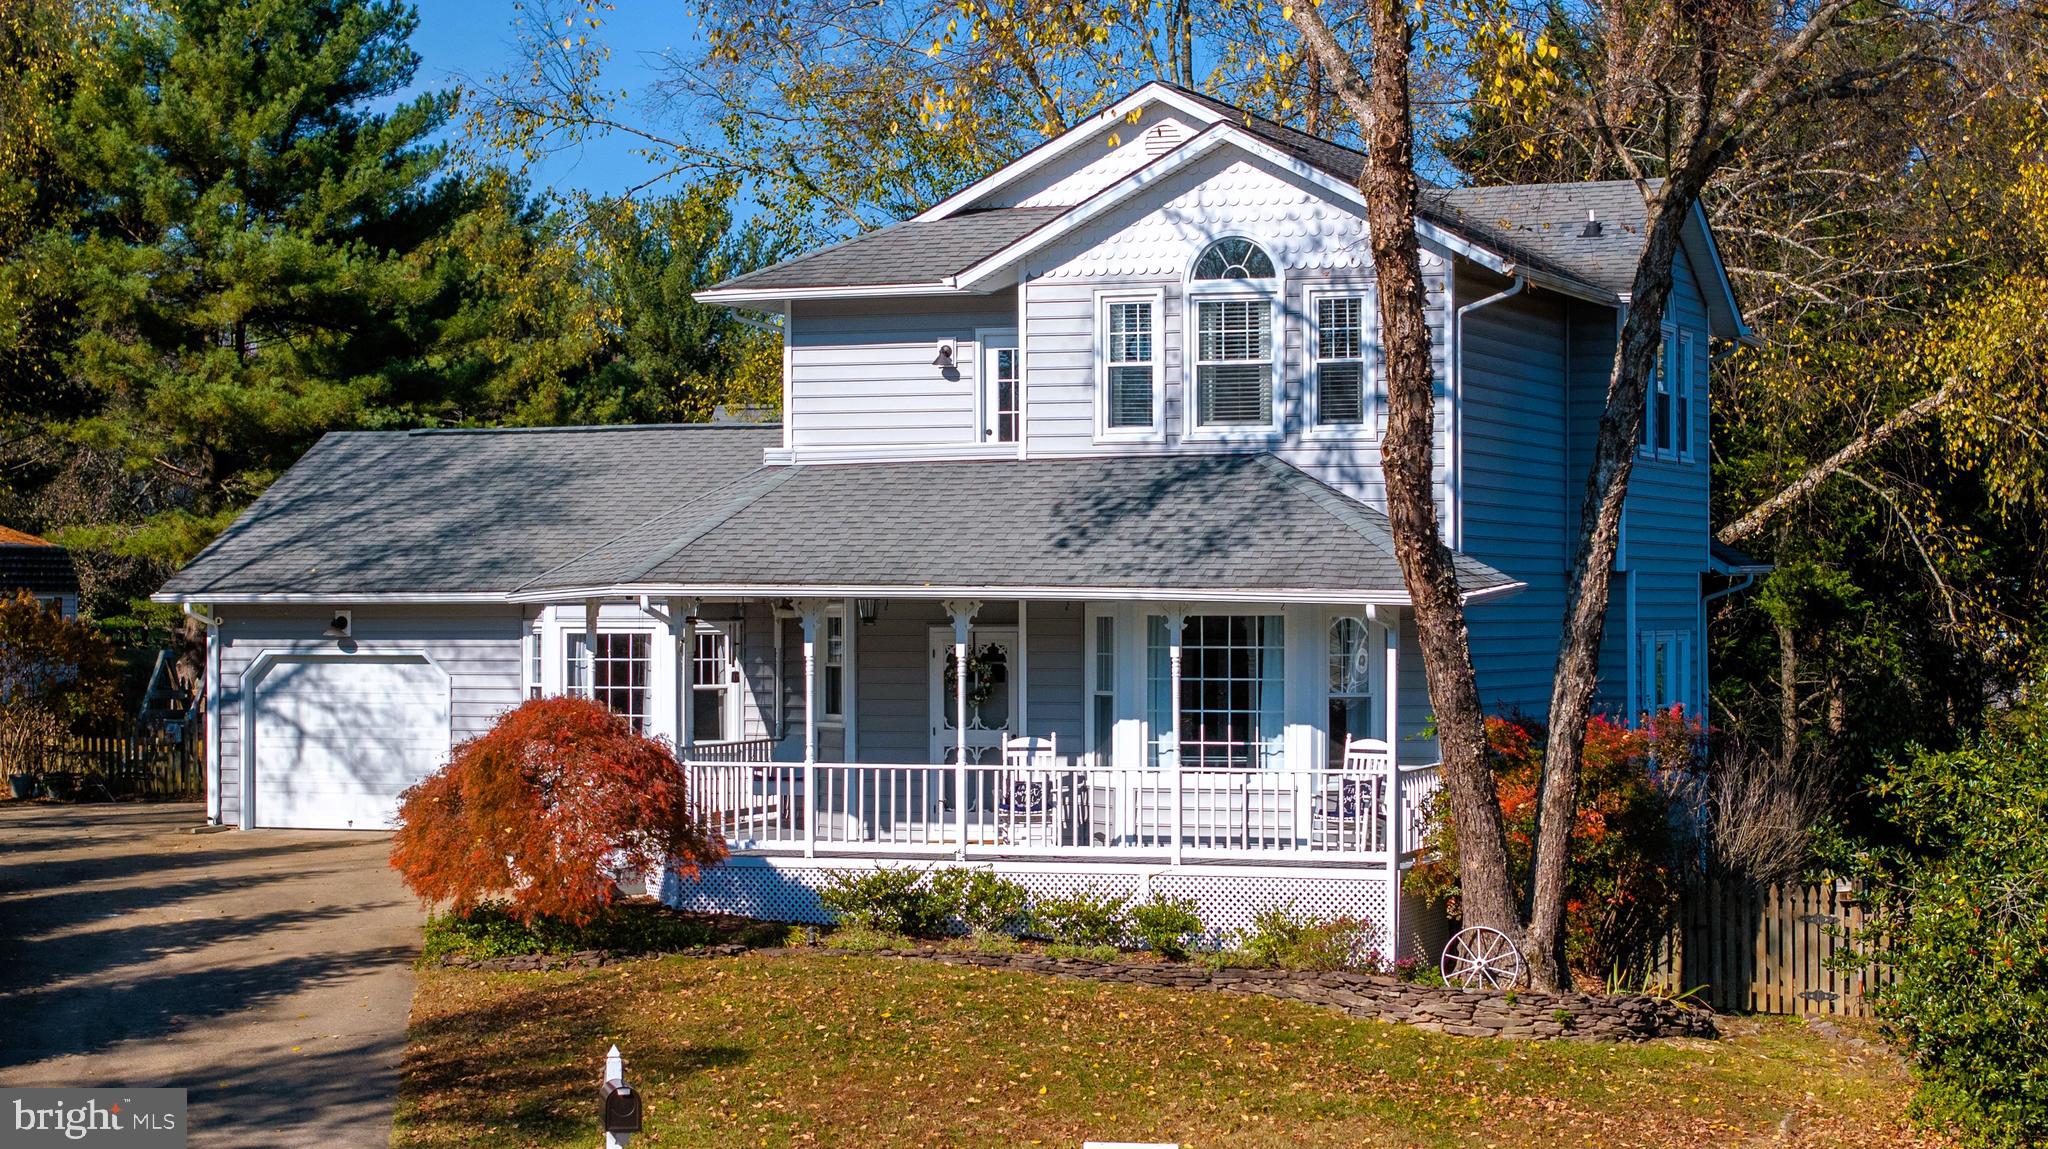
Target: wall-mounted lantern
<point>867,610</point>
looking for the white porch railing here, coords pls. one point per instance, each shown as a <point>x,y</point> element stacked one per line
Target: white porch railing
<point>924,811</point>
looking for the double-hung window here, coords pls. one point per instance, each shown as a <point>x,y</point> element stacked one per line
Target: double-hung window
<point>1660,413</point>
<point>614,671</point>
<point>1233,288</point>
<point>1340,375</point>
<point>1129,385</point>
<point>832,671</point>
<point>714,687</point>
<point>1682,391</point>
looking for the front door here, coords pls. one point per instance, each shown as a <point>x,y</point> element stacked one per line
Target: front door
<point>991,693</point>
<point>1000,387</point>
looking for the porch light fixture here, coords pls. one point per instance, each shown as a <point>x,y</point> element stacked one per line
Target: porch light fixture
<point>867,609</point>
<point>340,626</point>
<point>947,349</point>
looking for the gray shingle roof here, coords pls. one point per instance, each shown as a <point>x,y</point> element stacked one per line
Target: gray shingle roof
<point>1195,523</point>
<point>911,252</point>
<point>44,569</point>
<point>1549,220</point>
<point>459,512</point>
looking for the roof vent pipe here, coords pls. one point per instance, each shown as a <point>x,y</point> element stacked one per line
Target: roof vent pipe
<point>1592,229</point>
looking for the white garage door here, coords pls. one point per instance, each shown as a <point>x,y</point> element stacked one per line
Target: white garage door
<point>337,739</point>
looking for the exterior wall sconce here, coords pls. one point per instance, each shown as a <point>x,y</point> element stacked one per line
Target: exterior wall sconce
<point>947,350</point>
<point>867,610</point>
<point>341,626</point>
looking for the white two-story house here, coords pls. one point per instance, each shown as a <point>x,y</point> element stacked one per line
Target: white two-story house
<point>1104,427</point>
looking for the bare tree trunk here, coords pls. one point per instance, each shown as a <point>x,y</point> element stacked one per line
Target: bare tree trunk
<point>1585,617</point>
<point>1407,453</point>
<point>1918,411</point>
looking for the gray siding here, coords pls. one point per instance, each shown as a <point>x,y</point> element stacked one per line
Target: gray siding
<point>479,647</point>
<point>861,373</point>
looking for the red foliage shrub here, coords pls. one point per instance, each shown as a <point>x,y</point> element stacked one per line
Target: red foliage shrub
<point>1625,859</point>
<point>544,809</point>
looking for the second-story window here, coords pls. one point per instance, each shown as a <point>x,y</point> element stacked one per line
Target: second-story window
<point>1130,364</point>
<point>1340,360</point>
<point>1232,286</point>
<point>1682,390</point>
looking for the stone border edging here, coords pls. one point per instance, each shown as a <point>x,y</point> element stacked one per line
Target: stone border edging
<point>1528,1015</point>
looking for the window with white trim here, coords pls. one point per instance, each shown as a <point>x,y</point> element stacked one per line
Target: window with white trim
<point>1353,660</point>
<point>1102,691</point>
<point>1233,356</point>
<point>614,672</point>
<point>1659,416</point>
<point>1340,375</point>
<point>1130,365</point>
<point>832,670</point>
<point>1664,670</point>
<point>1232,689</point>
<point>533,664</point>
<point>714,686</point>
<point>1682,394</point>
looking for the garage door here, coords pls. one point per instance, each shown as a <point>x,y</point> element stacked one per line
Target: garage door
<point>337,739</point>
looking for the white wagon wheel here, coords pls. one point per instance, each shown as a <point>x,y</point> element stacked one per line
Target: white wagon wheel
<point>1481,957</point>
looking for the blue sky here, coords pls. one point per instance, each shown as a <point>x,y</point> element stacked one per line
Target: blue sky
<point>459,38</point>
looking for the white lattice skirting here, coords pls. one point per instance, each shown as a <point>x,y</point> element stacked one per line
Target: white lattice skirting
<point>1225,897</point>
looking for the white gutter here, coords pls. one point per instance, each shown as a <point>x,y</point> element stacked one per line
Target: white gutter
<point>290,598</point>
<point>1032,593</point>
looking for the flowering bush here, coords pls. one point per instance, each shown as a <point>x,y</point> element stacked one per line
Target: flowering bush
<point>543,810</point>
<point>1624,869</point>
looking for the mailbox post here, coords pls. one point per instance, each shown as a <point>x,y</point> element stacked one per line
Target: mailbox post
<point>619,1103</point>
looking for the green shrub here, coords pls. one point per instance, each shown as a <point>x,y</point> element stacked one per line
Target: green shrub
<point>1964,916</point>
<point>985,942</point>
<point>1281,938</point>
<point>1087,918</point>
<point>899,900</point>
<point>866,939</point>
<point>983,902</point>
<point>1165,925</point>
<point>490,930</point>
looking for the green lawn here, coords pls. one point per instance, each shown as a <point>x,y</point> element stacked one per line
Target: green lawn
<point>828,1049</point>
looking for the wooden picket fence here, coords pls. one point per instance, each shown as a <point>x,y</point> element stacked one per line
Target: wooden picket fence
<point>130,764</point>
<point>1770,950</point>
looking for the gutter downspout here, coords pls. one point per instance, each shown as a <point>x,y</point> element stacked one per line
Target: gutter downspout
<point>1457,352</point>
<point>212,689</point>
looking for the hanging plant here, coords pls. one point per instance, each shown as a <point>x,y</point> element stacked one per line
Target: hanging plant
<point>988,668</point>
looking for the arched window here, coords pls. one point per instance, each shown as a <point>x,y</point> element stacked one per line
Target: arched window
<point>1352,712</point>
<point>1233,257</point>
<point>1233,292</point>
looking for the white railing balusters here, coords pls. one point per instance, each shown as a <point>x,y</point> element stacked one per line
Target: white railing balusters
<point>1195,813</point>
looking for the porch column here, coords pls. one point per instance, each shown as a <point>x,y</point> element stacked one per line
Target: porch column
<point>963,611</point>
<point>811,614</point>
<point>586,670</point>
<point>1395,791</point>
<point>683,615</point>
<point>1176,620</point>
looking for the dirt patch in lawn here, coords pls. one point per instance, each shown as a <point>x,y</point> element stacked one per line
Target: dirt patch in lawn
<point>838,1050</point>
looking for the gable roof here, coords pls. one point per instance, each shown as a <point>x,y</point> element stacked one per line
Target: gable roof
<point>455,514</point>
<point>1526,225</point>
<point>915,251</point>
<point>1201,527</point>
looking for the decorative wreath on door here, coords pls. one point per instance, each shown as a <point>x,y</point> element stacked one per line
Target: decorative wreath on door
<point>988,668</point>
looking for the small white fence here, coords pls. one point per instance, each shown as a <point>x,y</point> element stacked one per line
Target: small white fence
<point>924,811</point>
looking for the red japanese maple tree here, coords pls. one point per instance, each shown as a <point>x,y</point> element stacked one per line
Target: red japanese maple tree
<point>543,810</point>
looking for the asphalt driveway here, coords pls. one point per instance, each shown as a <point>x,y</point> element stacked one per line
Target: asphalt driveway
<point>269,973</point>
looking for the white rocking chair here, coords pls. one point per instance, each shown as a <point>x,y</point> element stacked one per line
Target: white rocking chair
<point>1028,803</point>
